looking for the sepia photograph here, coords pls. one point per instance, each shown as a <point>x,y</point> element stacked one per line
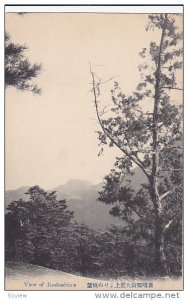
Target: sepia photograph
<point>93,149</point>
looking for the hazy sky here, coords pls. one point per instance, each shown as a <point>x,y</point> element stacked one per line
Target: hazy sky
<point>52,138</point>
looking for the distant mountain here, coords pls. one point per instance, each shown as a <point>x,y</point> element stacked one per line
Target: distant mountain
<point>81,197</point>
<point>12,195</point>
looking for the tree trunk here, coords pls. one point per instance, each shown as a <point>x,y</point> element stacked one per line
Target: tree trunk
<point>160,258</point>
<point>159,226</point>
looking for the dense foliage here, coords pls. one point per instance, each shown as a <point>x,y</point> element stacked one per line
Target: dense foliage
<point>42,231</point>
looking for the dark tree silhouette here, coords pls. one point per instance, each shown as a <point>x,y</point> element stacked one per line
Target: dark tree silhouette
<point>19,72</point>
<point>35,227</point>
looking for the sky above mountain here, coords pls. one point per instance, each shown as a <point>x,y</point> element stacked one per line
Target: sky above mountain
<point>52,138</point>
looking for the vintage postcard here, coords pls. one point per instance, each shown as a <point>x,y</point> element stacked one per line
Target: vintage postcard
<point>93,148</point>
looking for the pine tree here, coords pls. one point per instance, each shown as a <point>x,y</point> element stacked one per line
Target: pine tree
<point>19,72</point>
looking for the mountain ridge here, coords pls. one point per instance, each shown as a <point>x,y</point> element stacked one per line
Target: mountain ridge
<point>81,197</point>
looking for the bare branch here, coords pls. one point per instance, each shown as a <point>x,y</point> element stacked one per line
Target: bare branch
<point>165,194</point>
<point>170,223</point>
<point>103,111</point>
<point>166,121</point>
<point>171,88</point>
<point>103,82</point>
